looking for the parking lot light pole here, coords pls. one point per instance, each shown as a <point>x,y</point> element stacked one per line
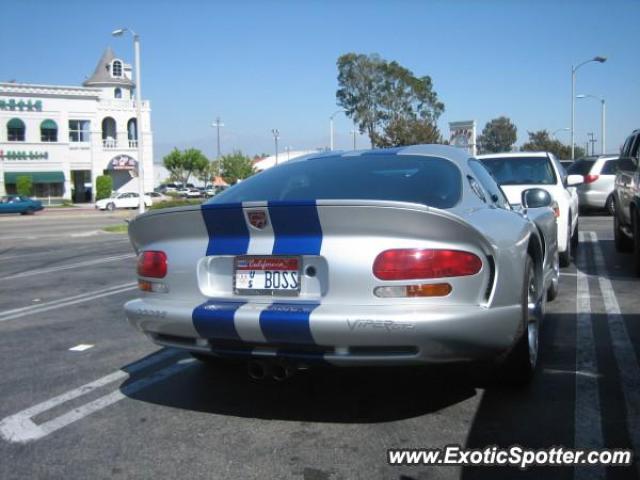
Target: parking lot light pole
<point>553,134</point>
<point>573,97</point>
<point>136,47</point>
<point>603,114</point>
<point>331,126</point>
<point>217,125</point>
<point>276,135</point>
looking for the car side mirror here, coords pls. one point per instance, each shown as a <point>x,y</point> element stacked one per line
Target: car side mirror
<point>536,198</point>
<point>573,180</point>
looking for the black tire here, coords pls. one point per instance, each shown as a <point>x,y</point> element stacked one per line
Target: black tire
<point>554,288</point>
<point>519,365</point>
<point>610,205</point>
<point>575,239</point>
<point>565,257</point>
<point>623,243</point>
<point>111,206</point>
<point>635,223</point>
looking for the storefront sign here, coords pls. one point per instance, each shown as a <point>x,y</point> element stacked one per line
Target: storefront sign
<point>12,104</point>
<point>16,155</point>
<point>463,135</point>
<point>123,162</point>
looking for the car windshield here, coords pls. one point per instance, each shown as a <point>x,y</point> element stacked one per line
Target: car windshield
<point>431,181</point>
<point>580,167</point>
<point>521,170</point>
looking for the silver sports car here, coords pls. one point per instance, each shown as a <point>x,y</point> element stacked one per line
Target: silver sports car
<point>392,257</point>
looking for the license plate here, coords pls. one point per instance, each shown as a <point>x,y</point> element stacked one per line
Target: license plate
<point>267,276</point>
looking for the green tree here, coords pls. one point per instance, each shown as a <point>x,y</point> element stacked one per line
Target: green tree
<point>541,141</point>
<point>498,135</point>
<point>235,166</point>
<point>387,101</point>
<point>183,164</point>
<point>206,174</point>
<point>104,186</point>
<point>24,185</point>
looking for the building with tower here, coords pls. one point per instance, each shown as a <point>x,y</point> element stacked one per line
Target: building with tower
<point>64,137</point>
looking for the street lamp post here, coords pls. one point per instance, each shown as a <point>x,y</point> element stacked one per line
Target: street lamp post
<point>573,97</point>
<point>217,125</point>
<point>331,126</point>
<point>136,47</point>
<point>565,129</point>
<point>603,114</point>
<point>276,135</point>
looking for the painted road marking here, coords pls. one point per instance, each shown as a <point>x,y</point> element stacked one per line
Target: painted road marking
<point>89,248</point>
<point>86,263</point>
<point>623,350</point>
<point>588,423</point>
<point>81,347</point>
<point>20,428</point>
<point>65,302</point>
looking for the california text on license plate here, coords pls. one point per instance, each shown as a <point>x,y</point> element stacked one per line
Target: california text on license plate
<point>267,275</point>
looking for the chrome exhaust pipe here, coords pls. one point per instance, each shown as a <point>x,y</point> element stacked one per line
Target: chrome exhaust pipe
<point>282,371</point>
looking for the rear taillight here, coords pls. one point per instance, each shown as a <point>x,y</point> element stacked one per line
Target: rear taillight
<point>408,264</point>
<point>152,264</point>
<point>591,178</point>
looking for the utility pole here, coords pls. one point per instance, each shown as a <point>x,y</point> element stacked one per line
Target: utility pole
<point>592,141</point>
<point>217,125</point>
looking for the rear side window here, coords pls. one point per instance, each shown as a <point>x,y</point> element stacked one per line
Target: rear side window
<point>610,167</point>
<point>581,167</point>
<point>431,181</point>
<point>521,170</point>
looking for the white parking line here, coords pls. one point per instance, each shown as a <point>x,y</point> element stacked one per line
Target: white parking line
<point>623,350</point>
<point>20,428</point>
<point>587,415</point>
<point>86,263</point>
<point>65,302</point>
<point>81,347</point>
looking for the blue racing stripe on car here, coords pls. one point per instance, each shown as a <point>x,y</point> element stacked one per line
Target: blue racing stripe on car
<point>296,227</point>
<point>214,319</point>
<point>227,228</point>
<point>287,323</point>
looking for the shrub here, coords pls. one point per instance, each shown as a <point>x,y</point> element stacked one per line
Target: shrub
<point>24,185</point>
<point>174,203</point>
<point>104,186</point>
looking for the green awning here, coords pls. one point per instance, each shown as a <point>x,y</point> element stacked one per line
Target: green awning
<point>48,125</point>
<point>36,177</point>
<point>15,123</point>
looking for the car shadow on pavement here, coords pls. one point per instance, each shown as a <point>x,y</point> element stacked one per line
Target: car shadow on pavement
<point>315,395</point>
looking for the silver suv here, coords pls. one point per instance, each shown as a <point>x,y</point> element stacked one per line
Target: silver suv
<point>626,197</point>
<point>599,174</point>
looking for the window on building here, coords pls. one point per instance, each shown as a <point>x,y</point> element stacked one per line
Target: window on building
<point>48,131</point>
<point>109,131</point>
<point>116,69</point>
<point>132,129</point>
<point>117,93</point>
<point>15,130</point>
<point>79,130</point>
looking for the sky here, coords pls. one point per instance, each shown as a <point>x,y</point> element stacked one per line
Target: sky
<point>267,64</point>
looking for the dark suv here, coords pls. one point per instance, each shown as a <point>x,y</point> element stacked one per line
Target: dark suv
<point>626,197</point>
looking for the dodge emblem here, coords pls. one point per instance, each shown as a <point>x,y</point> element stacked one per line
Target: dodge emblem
<point>258,219</point>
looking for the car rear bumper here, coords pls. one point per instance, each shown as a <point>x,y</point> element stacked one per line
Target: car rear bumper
<point>593,198</point>
<point>335,334</point>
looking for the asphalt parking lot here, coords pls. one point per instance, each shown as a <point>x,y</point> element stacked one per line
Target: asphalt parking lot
<point>82,395</point>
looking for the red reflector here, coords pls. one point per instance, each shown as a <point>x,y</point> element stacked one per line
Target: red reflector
<point>591,178</point>
<point>152,264</point>
<point>407,264</point>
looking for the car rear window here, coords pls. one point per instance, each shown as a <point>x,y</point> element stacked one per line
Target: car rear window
<point>581,167</point>
<point>521,170</point>
<point>431,181</point>
<point>610,167</point>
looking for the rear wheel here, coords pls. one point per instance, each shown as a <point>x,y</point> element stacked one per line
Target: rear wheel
<point>575,239</point>
<point>565,257</point>
<point>636,242</point>
<point>610,205</point>
<point>520,364</point>
<point>552,291</point>
<point>621,241</point>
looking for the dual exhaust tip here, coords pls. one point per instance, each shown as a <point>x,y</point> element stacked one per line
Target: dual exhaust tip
<point>270,369</point>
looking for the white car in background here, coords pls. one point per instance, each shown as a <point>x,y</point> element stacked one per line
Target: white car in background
<point>122,200</point>
<point>519,171</point>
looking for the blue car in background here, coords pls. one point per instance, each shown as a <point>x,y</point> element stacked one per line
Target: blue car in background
<point>19,204</point>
